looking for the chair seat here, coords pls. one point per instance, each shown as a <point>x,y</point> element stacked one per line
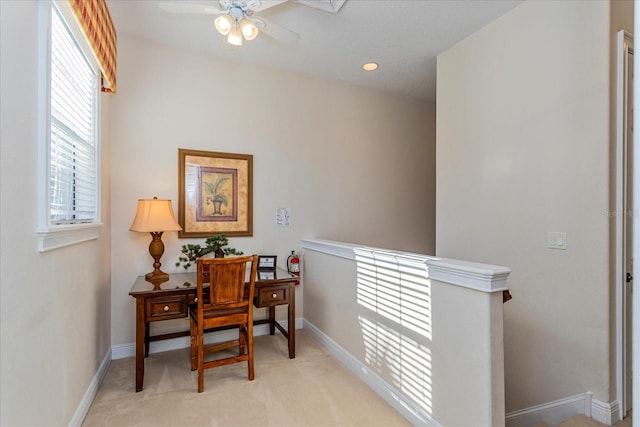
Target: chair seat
<point>218,313</point>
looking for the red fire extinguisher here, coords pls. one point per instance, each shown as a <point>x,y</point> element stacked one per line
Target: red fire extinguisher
<point>293,263</point>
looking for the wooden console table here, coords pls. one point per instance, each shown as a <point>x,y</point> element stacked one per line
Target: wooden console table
<point>171,300</point>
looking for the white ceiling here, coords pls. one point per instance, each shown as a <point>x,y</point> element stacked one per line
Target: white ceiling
<point>403,36</point>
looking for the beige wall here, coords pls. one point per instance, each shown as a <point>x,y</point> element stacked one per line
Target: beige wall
<point>350,163</point>
<point>523,149</point>
<point>55,306</point>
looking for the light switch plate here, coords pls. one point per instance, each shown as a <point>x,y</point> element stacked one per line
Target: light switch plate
<point>557,240</point>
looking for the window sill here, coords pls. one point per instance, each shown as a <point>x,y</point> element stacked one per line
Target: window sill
<point>58,236</point>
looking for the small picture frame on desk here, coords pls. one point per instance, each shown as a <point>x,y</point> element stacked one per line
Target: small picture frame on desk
<point>267,262</point>
<point>266,275</point>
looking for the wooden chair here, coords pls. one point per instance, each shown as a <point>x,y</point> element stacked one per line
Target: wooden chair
<point>228,303</point>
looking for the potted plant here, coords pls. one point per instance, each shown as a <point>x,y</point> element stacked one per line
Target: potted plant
<point>214,244</point>
<point>215,196</point>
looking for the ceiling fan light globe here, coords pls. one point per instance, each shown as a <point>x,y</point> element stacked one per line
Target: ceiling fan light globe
<point>249,30</point>
<point>235,37</point>
<point>224,24</point>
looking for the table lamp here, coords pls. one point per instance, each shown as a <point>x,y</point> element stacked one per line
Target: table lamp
<point>155,216</point>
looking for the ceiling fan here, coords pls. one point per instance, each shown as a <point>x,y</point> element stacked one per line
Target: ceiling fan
<point>236,19</point>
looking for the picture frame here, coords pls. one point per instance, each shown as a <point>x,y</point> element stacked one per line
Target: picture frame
<point>267,262</point>
<point>266,275</point>
<point>215,193</point>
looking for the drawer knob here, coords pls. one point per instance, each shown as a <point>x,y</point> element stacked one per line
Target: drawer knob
<point>195,299</point>
<point>274,295</point>
<point>166,308</point>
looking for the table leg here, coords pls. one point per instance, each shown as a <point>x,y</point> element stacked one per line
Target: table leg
<point>291,311</point>
<point>272,320</point>
<point>140,343</point>
<point>147,334</point>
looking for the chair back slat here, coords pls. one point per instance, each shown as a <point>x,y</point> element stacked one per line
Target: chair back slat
<point>226,281</point>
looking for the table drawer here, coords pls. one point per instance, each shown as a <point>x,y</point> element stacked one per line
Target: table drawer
<point>169,307</point>
<point>193,298</point>
<point>273,295</point>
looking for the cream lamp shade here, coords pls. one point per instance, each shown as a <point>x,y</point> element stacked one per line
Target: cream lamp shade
<point>235,37</point>
<point>155,216</point>
<point>249,30</point>
<point>223,24</point>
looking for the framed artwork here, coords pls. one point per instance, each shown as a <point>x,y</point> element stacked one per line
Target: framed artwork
<point>267,262</point>
<point>266,275</point>
<point>215,193</point>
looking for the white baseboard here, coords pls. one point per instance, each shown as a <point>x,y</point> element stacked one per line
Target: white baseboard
<point>557,411</point>
<point>129,350</point>
<point>607,413</point>
<point>390,394</point>
<point>90,394</point>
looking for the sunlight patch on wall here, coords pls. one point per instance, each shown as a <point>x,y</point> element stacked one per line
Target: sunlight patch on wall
<point>397,288</point>
<point>402,359</point>
<point>397,334</point>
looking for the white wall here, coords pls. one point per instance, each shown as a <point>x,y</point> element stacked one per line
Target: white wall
<point>350,163</point>
<point>55,306</point>
<point>523,149</point>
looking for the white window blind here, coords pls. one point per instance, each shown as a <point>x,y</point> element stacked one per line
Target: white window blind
<point>73,139</point>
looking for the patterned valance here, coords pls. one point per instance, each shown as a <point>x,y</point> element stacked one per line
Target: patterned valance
<point>95,21</point>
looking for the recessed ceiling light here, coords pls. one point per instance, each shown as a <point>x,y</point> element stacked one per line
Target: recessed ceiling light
<point>370,66</point>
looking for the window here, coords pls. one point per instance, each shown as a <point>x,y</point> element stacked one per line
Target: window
<point>69,192</point>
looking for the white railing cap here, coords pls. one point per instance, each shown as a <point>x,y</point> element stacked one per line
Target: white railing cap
<point>482,277</point>
<point>473,275</point>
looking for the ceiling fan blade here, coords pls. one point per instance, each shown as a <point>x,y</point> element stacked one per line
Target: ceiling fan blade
<point>264,4</point>
<point>276,31</point>
<point>197,9</point>
<point>332,6</point>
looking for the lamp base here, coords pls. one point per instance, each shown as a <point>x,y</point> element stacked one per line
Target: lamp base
<point>156,249</point>
<point>156,276</point>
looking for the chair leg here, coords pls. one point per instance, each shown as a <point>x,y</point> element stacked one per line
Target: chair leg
<point>249,330</point>
<point>241,340</point>
<point>194,345</point>
<point>200,359</point>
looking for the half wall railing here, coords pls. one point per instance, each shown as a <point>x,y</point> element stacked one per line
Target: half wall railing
<point>425,333</point>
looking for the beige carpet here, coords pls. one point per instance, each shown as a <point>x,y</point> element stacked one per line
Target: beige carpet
<point>313,389</point>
